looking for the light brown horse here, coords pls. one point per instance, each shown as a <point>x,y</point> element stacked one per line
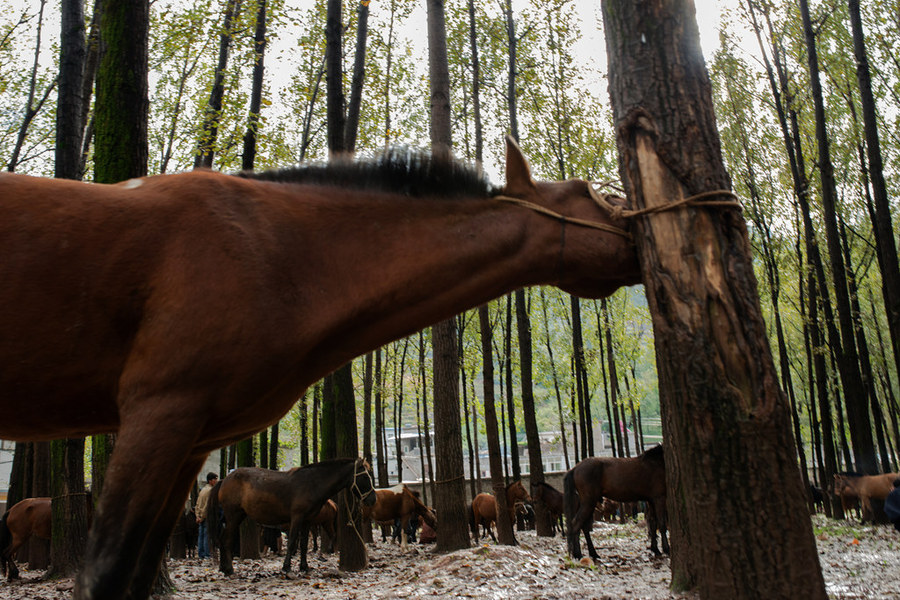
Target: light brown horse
<point>484,509</point>
<point>642,478</point>
<point>188,311</point>
<point>30,517</point>
<point>399,502</point>
<point>866,488</point>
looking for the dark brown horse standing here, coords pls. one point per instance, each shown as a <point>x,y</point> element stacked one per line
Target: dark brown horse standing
<point>276,498</point>
<point>399,502</point>
<point>30,517</point>
<point>484,509</point>
<point>622,479</point>
<point>553,500</point>
<point>186,312</point>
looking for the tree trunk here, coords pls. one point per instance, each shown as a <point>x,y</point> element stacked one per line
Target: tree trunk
<point>848,360</point>
<point>882,224</point>
<point>359,71</point>
<point>380,426</point>
<point>353,555</point>
<point>559,407</point>
<point>505,534</point>
<point>512,431</point>
<point>726,423</point>
<point>69,527</point>
<point>209,128</point>
<point>449,492</point>
<point>542,521</point>
<point>248,156</point>
<point>334,80</point>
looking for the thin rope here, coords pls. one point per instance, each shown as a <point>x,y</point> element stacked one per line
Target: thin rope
<point>620,212</point>
<point>451,480</point>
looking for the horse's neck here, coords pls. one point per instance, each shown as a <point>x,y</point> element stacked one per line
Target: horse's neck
<point>376,270</point>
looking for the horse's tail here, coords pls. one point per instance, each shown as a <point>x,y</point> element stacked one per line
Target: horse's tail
<point>5,542</point>
<point>214,517</point>
<point>570,506</point>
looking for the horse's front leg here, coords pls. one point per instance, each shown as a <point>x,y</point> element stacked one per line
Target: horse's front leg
<point>652,525</point>
<point>293,538</point>
<point>149,561</point>
<point>138,481</point>
<point>304,534</point>
<point>404,523</point>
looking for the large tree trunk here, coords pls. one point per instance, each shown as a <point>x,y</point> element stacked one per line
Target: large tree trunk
<point>505,534</point>
<point>449,489</point>
<point>725,422</point>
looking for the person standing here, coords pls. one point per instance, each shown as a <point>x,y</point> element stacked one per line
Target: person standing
<point>200,513</point>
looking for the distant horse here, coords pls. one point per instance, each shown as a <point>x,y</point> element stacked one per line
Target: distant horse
<point>278,497</point>
<point>864,487</point>
<point>607,510</point>
<point>183,543</point>
<point>484,509</point>
<point>816,498</point>
<point>399,502</point>
<point>623,480</point>
<point>553,500</point>
<point>188,311</point>
<point>324,526</point>
<point>30,517</point>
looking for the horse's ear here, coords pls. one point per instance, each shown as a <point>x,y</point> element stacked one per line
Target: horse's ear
<point>518,173</point>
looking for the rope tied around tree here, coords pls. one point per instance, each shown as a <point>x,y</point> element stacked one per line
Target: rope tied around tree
<point>619,211</point>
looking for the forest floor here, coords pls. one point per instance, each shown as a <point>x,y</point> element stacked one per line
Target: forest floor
<point>858,561</point>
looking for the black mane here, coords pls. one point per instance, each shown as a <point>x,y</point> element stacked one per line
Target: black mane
<point>399,170</point>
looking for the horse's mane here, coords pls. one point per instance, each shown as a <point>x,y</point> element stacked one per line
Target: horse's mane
<point>656,453</point>
<point>400,170</point>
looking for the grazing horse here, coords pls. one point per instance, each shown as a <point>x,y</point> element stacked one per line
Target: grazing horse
<point>185,312</point>
<point>623,480</point>
<point>553,500</point>
<point>864,487</point>
<point>484,509</point>
<point>275,498</point>
<point>399,502</point>
<point>30,517</point>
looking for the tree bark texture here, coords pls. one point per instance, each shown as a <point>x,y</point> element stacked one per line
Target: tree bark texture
<point>120,114</point>
<point>353,556</point>
<point>69,122</point>
<point>505,534</point>
<point>248,156</point>
<point>736,502</point>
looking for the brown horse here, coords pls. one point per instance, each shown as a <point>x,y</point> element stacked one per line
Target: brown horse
<point>399,502</point>
<point>30,517</point>
<point>623,480</point>
<point>553,500</point>
<point>324,525</point>
<point>188,311</point>
<point>275,498</point>
<point>484,509</point>
<point>864,487</point>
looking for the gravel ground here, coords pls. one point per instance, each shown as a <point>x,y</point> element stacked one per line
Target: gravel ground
<point>857,562</point>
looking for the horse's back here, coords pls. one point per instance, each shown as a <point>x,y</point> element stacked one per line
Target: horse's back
<point>621,479</point>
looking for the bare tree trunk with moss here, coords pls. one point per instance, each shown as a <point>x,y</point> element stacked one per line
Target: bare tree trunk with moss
<point>725,421</point>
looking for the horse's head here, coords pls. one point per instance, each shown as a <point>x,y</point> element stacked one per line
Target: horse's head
<point>595,253</point>
<point>362,485</point>
<point>518,492</point>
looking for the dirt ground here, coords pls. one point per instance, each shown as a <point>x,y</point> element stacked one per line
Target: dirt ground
<point>857,562</point>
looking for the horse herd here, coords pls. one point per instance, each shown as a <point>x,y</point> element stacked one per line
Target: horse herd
<point>299,501</point>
